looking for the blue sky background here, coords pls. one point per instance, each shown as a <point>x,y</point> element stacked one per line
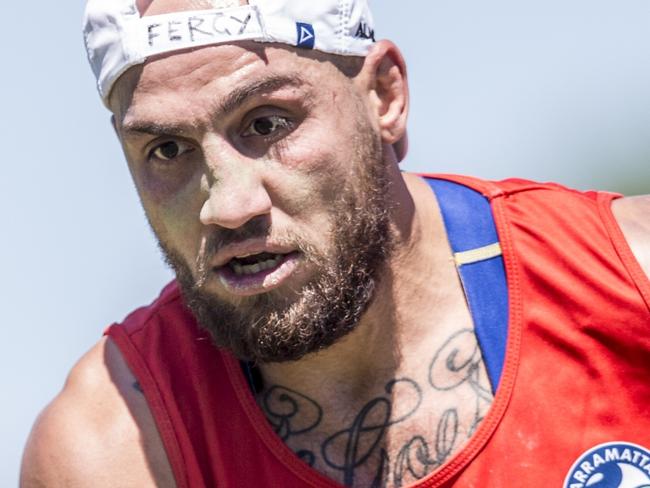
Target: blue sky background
<point>550,90</point>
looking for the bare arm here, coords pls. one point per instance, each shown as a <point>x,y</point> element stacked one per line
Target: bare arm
<point>633,216</point>
<point>97,432</point>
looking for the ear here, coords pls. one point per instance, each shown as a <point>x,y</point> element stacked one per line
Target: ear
<point>384,77</point>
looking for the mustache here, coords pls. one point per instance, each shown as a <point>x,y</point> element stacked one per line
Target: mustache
<point>257,228</point>
<point>220,237</point>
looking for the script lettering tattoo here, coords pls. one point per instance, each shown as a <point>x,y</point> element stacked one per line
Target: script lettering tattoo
<point>383,471</point>
<point>414,458</point>
<point>451,367</point>
<point>446,435</point>
<point>360,439</point>
<point>457,363</point>
<point>291,414</point>
<point>307,456</point>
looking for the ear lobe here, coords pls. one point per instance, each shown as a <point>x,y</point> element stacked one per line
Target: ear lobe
<point>388,90</point>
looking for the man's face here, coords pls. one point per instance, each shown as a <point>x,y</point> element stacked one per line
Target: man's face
<point>262,177</point>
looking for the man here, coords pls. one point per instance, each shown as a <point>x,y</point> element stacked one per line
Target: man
<point>350,324</point>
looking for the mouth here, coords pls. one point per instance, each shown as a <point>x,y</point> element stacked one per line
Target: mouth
<point>253,264</point>
<point>257,273</point>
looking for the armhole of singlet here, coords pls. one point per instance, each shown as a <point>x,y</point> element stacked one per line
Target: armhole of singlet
<point>473,238</point>
<point>157,407</point>
<point>641,281</point>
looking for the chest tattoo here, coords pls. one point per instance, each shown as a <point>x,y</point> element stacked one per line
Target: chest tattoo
<point>437,418</point>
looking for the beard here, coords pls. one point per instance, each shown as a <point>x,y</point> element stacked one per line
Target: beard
<point>275,327</point>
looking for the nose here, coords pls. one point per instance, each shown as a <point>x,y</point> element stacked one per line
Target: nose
<point>235,196</point>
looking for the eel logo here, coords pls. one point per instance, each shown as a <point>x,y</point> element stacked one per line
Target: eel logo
<point>611,465</point>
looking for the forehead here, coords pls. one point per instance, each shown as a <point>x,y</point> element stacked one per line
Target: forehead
<point>194,81</point>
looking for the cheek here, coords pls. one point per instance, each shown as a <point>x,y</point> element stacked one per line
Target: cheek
<point>175,218</point>
<point>305,202</point>
<point>316,161</point>
<point>303,184</point>
<point>162,184</point>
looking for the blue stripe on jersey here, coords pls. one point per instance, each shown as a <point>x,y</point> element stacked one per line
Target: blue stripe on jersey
<point>470,225</point>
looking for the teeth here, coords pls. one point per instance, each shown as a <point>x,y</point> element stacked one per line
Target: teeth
<point>245,255</point>
<point>249,269</point>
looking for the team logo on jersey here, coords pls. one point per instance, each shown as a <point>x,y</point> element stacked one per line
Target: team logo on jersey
<point>611,465</point>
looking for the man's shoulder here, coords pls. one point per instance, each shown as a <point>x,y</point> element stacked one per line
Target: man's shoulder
<point>639,203</point>
<point>509,186</point>
<point>633,217</point>
<point>95,431</point>
<point>631,213</point>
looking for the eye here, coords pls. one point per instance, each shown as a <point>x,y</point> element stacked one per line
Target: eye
<point>265,126</point>
<point>169,150</point>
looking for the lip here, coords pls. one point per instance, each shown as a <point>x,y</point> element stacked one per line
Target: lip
<point>246,248</point>
<point>260,282</point>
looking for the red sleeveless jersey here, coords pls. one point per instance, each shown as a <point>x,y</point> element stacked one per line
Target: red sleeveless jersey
<point>575,374</point>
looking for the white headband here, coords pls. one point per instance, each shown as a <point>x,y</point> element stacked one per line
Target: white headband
<point>117,37</point>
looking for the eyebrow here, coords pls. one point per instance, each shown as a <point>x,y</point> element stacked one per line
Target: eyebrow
<point>229,104</point>
<point>137,128</point>
<point>271,83</point>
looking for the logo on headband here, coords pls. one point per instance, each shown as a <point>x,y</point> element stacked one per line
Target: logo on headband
<point>611,465</point>
<point>306,35</point>
<point>365,32</point>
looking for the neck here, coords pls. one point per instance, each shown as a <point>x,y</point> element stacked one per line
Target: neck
<point>372,391</point>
